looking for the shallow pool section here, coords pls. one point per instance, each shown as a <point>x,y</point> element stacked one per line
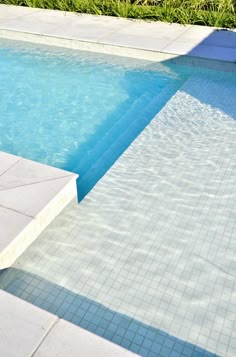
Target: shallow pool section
<point>147,259</point>
<point>74,110</point>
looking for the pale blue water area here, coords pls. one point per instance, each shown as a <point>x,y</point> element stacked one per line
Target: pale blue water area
<point>147,260</point>
<point>74,110</point>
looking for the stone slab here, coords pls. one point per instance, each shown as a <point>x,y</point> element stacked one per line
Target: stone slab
<point>31,195</point>
<point>12,12</point>
<point>27,330</point>
<point>66,339</point>
<point>148,37</point>
<point>23,326</point>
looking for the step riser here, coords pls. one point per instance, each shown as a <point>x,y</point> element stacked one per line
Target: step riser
<point>110,135</point>
<point>137,116</point>
<point>104,156</point>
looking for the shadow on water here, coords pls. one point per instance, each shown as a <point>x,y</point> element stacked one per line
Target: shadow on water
<point>121,329</point>
<point>216,63</point>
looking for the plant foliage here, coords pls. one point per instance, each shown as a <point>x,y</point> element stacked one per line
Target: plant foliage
<point>219,13</point>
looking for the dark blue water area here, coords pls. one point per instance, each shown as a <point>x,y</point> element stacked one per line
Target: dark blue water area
<point>132,334</point>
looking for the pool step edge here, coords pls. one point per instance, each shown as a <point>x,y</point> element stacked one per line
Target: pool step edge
<point>116,50</point>
<point>15,244</point>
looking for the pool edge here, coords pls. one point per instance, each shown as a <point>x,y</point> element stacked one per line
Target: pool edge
<point>116,50</point>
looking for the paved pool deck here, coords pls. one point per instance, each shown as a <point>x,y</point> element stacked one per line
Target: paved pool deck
<point>148,40</point>
<point>30,331</point>
<point>147,259</point>
<point>31,196</point>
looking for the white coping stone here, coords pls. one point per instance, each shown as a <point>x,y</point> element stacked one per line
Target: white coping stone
<point>134,38</point>
<point>12,12</point>
<point>7,161</point>
<point>31,196</point>
<point>68,340</point>
<point>23,326</point>
<point>27,330</point>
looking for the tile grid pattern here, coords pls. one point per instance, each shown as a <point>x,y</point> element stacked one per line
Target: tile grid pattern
<point>147,259</point>
<point>128,333</point>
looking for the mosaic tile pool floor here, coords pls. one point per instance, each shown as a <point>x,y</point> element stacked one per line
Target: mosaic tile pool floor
<point>147,260</point>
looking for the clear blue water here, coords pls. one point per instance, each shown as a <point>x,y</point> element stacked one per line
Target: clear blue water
<point>146,271</point>
<point>74,110</point>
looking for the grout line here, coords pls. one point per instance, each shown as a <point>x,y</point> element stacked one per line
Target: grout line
<point>23,213</point>
<point>34,11</point>
<point>37,182</point>
<point>114,32</point>
<point>176,38</point>
<point>45,336</point>
<point>10,167</point>
<point>35,36</point>
<point>15,210</point>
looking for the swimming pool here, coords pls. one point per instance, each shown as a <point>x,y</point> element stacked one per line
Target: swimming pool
<point>75,110</point>
<point>147,259</point>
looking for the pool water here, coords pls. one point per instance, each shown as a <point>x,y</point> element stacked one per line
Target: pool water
<point>74,110</point>
<point>147,260</point>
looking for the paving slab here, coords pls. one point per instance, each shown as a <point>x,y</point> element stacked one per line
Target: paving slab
<point>31,195</point>
<point>23,326</point>
<point>197,32</point>
<point>13,12</point>
<point>110,35</point>
<point>145,42</point>
<point>7,161</point>
<point>66,339</point>
<point>27,331</point>
<point>146,35</point>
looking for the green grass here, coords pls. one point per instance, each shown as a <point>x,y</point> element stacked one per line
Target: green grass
<point>219,13</point>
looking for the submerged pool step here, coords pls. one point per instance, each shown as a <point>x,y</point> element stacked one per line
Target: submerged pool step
<point>111,135</point>
<point>122,134</point>
<point>31,196</point>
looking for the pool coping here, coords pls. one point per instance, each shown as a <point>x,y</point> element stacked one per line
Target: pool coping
<point>31,196</point>
<point>154,41</point>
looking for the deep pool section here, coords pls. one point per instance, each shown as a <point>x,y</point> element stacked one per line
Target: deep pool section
<point>75,110</point>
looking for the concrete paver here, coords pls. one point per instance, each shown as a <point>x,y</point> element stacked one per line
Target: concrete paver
<point>28,331</point>
<point>23,326</point>
<point>152,37</point>
<point>31,195</point>
<point>66,339</point>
